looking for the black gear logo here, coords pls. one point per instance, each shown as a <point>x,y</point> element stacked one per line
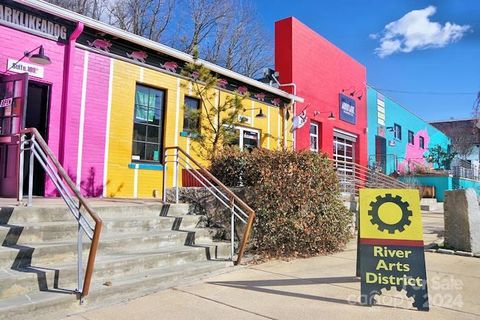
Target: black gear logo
<point>381,225</point>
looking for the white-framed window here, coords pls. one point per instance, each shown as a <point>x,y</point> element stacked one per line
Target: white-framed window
<point>313,137</point>
<point>247,138</point>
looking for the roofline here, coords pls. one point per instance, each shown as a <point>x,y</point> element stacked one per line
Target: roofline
<point>453,120</point>
<point>429,123</point>
<point>92,23</point>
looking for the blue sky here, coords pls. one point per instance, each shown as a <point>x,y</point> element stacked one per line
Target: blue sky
<point>450,64</point>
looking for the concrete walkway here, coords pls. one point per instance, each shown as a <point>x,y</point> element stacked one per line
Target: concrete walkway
<point>322,287</point>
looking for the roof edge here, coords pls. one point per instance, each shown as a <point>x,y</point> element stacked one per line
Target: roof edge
<point>95,24</point>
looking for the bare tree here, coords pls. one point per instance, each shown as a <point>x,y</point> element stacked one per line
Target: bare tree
<point>226,32</point>
<point>95,9</point>
<point>147,18</point>
<point>463,139</point>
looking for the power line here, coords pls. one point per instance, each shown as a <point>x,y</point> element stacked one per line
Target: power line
<point>433,93</point>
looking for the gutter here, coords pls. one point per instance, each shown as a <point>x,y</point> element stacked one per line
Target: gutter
<point>89,22</point>
<point>68,74</point>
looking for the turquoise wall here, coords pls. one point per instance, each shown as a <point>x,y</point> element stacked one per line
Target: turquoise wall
<point>442,184</point>
<point>400,149</point>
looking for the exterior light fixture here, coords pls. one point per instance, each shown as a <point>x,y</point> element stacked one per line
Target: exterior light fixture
<point>331,116</point>
<point>38,58</point>
<point>260,114</point>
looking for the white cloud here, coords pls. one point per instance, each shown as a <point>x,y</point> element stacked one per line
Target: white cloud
<point>415,31</point>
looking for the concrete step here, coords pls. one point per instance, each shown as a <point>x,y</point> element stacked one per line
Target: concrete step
<point>54,305</point>
<point>18,215</point>
<point>430,204</point>
<point>63,230</point>
<point>428,201</point>
<point>107,267</point>
<point>52,253</point>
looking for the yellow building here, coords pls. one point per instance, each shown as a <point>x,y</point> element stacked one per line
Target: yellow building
<point>140,88</point>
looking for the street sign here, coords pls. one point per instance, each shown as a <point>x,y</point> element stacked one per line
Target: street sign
<point>390,246</point>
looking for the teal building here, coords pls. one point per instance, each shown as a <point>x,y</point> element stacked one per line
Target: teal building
<point>398,140</point>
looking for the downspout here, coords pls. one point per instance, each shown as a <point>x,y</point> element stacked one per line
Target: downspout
<point>68,66</point>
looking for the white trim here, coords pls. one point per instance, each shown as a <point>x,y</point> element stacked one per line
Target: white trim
<point>116,32</point>
<point>268,129</point>
<point>187,150</point>
<point>177,124</point>
<point>107,128</point>
<point>241,130</point>
<point>135,181</point>
<point>217,105</point>
<point>279,136</point>
<point>82,120</point>
<point>253,113</point>
<point>348,134</point>
<point>316,149</point>
<point>141,74</point>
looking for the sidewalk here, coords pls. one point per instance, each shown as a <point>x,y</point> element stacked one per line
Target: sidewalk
<point>322,287</point>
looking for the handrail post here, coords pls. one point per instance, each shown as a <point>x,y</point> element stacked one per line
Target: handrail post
<point>20,167</point>
<point>30,171</point>
<point>232,229</point>
<point>79,259</point>
<point>176,177</point>
<point>164,189</point>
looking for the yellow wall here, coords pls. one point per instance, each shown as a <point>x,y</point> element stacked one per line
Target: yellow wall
<point>123,181</point>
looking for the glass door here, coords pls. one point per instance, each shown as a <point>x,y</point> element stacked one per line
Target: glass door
<point>344,156</point>
<point>13,90</point>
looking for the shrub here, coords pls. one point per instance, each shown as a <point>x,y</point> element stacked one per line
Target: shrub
<point>295,196</point>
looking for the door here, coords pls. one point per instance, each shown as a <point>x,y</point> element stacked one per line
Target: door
<point>344,152</point>
<point>381,153</point>
<point>13,91</point>
<point>36,116</point>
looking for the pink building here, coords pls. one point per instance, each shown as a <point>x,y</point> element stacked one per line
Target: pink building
<point>62,97</point>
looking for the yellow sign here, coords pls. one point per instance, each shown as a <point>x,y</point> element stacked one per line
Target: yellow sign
<point>390,245</point>
<point>390,214</point>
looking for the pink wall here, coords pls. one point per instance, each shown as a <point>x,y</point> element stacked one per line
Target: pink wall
<point>320,70</point>
<point>14,43</point>
<point>95,124</point>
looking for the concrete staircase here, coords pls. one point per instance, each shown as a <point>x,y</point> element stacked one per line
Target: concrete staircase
<point>430,204</point>
<point>143,249</point>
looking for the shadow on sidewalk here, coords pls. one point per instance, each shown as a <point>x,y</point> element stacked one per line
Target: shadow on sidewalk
<point>261,286</point>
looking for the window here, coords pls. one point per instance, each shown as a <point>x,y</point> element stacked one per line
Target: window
<point>148,124</point>
<point>397,131</point>
<point>191,116</point>
<point>314,137</point>
<point>411,139</point>
<point>246,139</point>
<point>421,142</point>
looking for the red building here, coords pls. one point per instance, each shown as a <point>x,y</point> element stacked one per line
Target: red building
<point>331,82</point>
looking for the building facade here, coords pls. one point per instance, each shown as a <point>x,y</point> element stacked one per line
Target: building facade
<point>110,101</point>
<point>333,86</point>
<point>465,137</point>
<point>398,140</point>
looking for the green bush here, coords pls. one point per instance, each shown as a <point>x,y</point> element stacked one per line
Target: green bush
<point>295,196</point>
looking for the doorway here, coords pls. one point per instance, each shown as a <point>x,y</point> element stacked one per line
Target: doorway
<point>36,116</point>
<point>381,153</point>
<point>344,145</point>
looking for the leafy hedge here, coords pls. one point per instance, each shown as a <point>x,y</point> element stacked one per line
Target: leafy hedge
<point>295,196</point>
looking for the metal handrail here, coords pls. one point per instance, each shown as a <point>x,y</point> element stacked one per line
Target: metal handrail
<point>238,208</point>
<point>41,151</point>
<point>364,177</point>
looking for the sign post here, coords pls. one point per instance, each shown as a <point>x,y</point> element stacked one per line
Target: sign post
<point>390,247</point>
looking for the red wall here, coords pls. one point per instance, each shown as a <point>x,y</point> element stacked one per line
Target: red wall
<point>320,71</point>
